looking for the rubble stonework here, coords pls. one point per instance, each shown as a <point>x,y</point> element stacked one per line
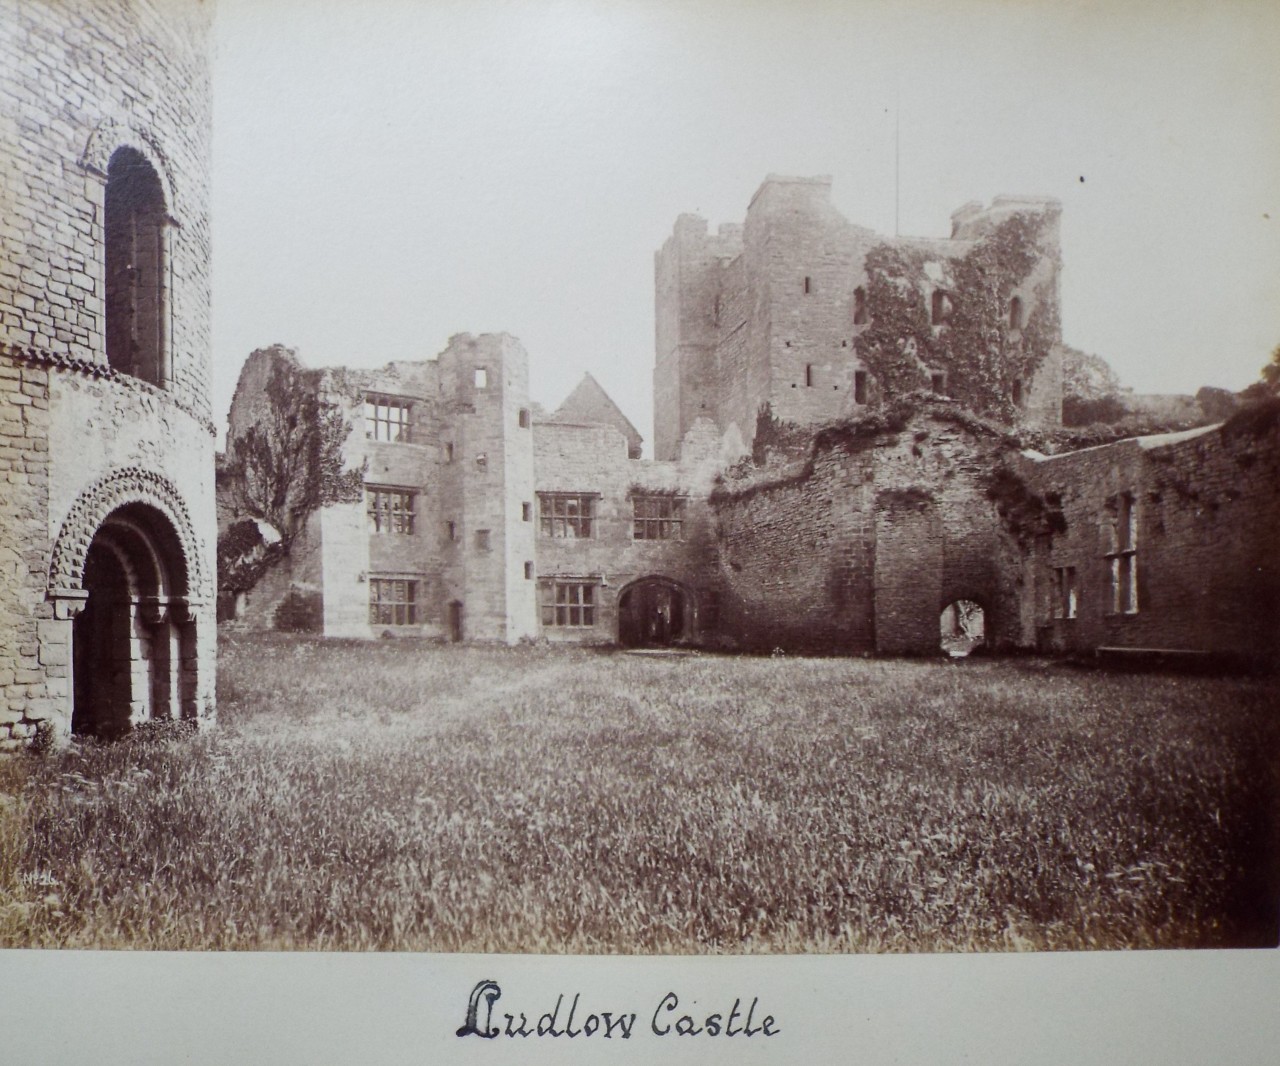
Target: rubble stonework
<point>106,445</point>
<point>822,319</point>
<point>849,519</point>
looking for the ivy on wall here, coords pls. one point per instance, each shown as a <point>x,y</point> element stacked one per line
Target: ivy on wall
<point>977,348</point>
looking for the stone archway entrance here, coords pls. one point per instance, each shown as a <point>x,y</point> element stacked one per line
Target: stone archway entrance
<point>653,612</point>
<point>133,648</point>
<point>963,628</point>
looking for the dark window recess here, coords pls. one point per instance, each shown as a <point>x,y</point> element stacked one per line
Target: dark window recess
<point>941,308</point>
<point>859,386</point>
<point>566,515</point>
<point>393,601</point>
<point>808,374</point>
<point>482,540</point>
<point>524,418</point>
<point>134,229</point>
<point>526,512</point>
<point>569,603</point>
<point>1017,391</point>
<point>391,510</point>
<point>859,306</point>
<point>658,518</point>
<point>1015,313</point>
<point>938,383</point>
<point>808,285</point>
<point>528,571</point>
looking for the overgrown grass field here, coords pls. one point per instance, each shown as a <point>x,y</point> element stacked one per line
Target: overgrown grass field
<point>400,795</point>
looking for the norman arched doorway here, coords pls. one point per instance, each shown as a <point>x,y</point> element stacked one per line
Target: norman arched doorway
<point>132,642</point>
<point>963,628</point>
<point>654,612</point>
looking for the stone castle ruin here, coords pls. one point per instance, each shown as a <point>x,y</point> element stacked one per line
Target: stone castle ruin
<point>859,448</point>
<point>107,513</point>
<point>859,440</point>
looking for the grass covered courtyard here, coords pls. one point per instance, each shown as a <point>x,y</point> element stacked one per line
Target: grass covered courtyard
<point>412,796</point>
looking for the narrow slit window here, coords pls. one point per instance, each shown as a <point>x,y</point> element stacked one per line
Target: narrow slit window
<point>1123,557</point>
<point>859,306</point>
<point>1015,313</point>
<point>808,285</point>
<point>860,386</point>
<point>941,308</point>
<point>808,375</point>
<point>1017,391</point>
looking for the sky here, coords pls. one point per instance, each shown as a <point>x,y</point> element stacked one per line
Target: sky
<point>390,173</point>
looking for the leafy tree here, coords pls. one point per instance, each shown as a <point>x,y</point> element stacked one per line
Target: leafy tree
<point>288,462</point>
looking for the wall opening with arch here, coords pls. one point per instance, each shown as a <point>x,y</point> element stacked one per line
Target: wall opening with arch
<point>134,228</point>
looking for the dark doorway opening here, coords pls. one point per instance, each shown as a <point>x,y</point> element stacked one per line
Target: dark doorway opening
<point>455,621</point>
<point>652,613</point>
<point>133,649</point>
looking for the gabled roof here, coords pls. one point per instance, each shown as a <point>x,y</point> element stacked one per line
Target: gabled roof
<point>591,405</point>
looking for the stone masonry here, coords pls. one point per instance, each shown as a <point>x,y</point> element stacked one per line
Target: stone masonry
<point>843,426</point>
<point>106,444</point>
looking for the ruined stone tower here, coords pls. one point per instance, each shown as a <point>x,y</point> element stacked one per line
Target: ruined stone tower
<point>819,318</point>
<point>106,444</point>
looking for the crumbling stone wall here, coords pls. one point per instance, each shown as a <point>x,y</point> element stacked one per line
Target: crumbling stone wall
<point>79,82</point>
<point>819,318</point>
<point>1207,505</point>
<point>859,545</point>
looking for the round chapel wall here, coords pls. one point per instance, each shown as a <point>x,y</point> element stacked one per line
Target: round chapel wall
<point>104,356</point>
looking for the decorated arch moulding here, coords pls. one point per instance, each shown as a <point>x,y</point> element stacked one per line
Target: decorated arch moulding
<point>126,485</point>
<point>110,135</point>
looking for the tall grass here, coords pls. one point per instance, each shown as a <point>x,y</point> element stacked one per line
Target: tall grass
<point>398,795</point>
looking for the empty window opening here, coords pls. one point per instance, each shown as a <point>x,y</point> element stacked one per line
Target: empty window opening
<point>134,227</point>
<point>569,604</point>
<point>524,418</point>
<point>391,510</point>
<point>1017,391</point>
<point>451,530</point>
<point>526,512</point>
<point>528,571</point>
<point>964,628</point>
<point>808,374</point>
<point>808,285</point>
<point>448,451</point>
<point>658,517</point>
<point>393,601</point>
<point>1123,557</point>
<point>859,306</point>
<point>1015,313</point>
<point>938,383</point>
<point>482,378</point>
<point>1066,593</point>
<point>482,540</point>
<point>387,419</point>
<point>859,386</point>
<point>566,515</point>
<point>941,309</point>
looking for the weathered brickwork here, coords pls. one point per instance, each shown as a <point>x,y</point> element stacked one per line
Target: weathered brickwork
<point>107,519</point>
<point>793,309</point>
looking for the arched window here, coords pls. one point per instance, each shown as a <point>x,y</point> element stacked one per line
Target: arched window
<point>1015,313</point>
<point>134,218</point>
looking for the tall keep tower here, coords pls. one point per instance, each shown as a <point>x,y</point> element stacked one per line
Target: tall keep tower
<point>106,444</point>
<point>819,318</point>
